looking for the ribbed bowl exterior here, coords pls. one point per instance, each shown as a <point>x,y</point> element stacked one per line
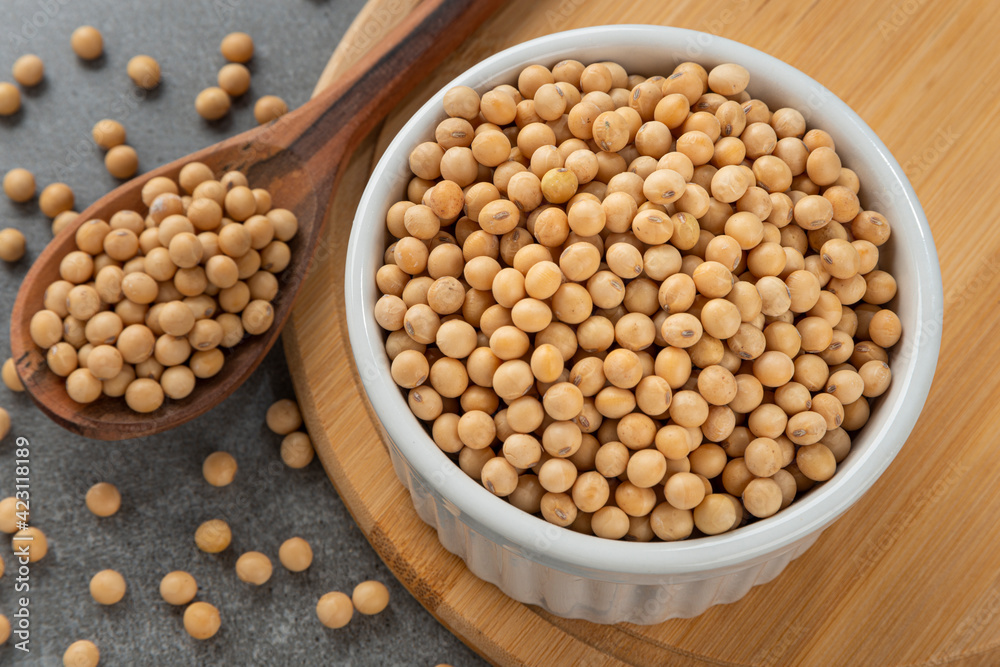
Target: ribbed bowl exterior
<point>515,573</point>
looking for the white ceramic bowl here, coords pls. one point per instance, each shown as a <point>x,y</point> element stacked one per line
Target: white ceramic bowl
<point>580,576</point>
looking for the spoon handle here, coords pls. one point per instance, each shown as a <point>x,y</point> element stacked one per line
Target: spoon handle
<point>323,133</point>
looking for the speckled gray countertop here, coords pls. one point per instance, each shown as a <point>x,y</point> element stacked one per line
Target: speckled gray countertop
<point>164,494</point>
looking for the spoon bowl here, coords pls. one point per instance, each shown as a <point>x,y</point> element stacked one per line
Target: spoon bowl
<point>110,418</point>
<point>298,158</point>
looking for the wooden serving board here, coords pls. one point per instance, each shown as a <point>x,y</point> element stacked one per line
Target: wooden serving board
<point>909,576</point>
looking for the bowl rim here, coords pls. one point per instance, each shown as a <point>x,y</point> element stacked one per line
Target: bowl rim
<point>588,555</point>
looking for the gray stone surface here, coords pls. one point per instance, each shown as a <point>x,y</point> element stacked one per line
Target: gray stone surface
<point>165,496</point>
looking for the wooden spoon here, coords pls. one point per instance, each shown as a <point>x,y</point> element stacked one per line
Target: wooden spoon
<point>299,159</point>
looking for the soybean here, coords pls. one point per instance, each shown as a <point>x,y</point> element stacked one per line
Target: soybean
<point>609,337</point>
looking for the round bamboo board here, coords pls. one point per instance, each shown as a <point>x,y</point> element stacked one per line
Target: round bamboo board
<point>910,575</point>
